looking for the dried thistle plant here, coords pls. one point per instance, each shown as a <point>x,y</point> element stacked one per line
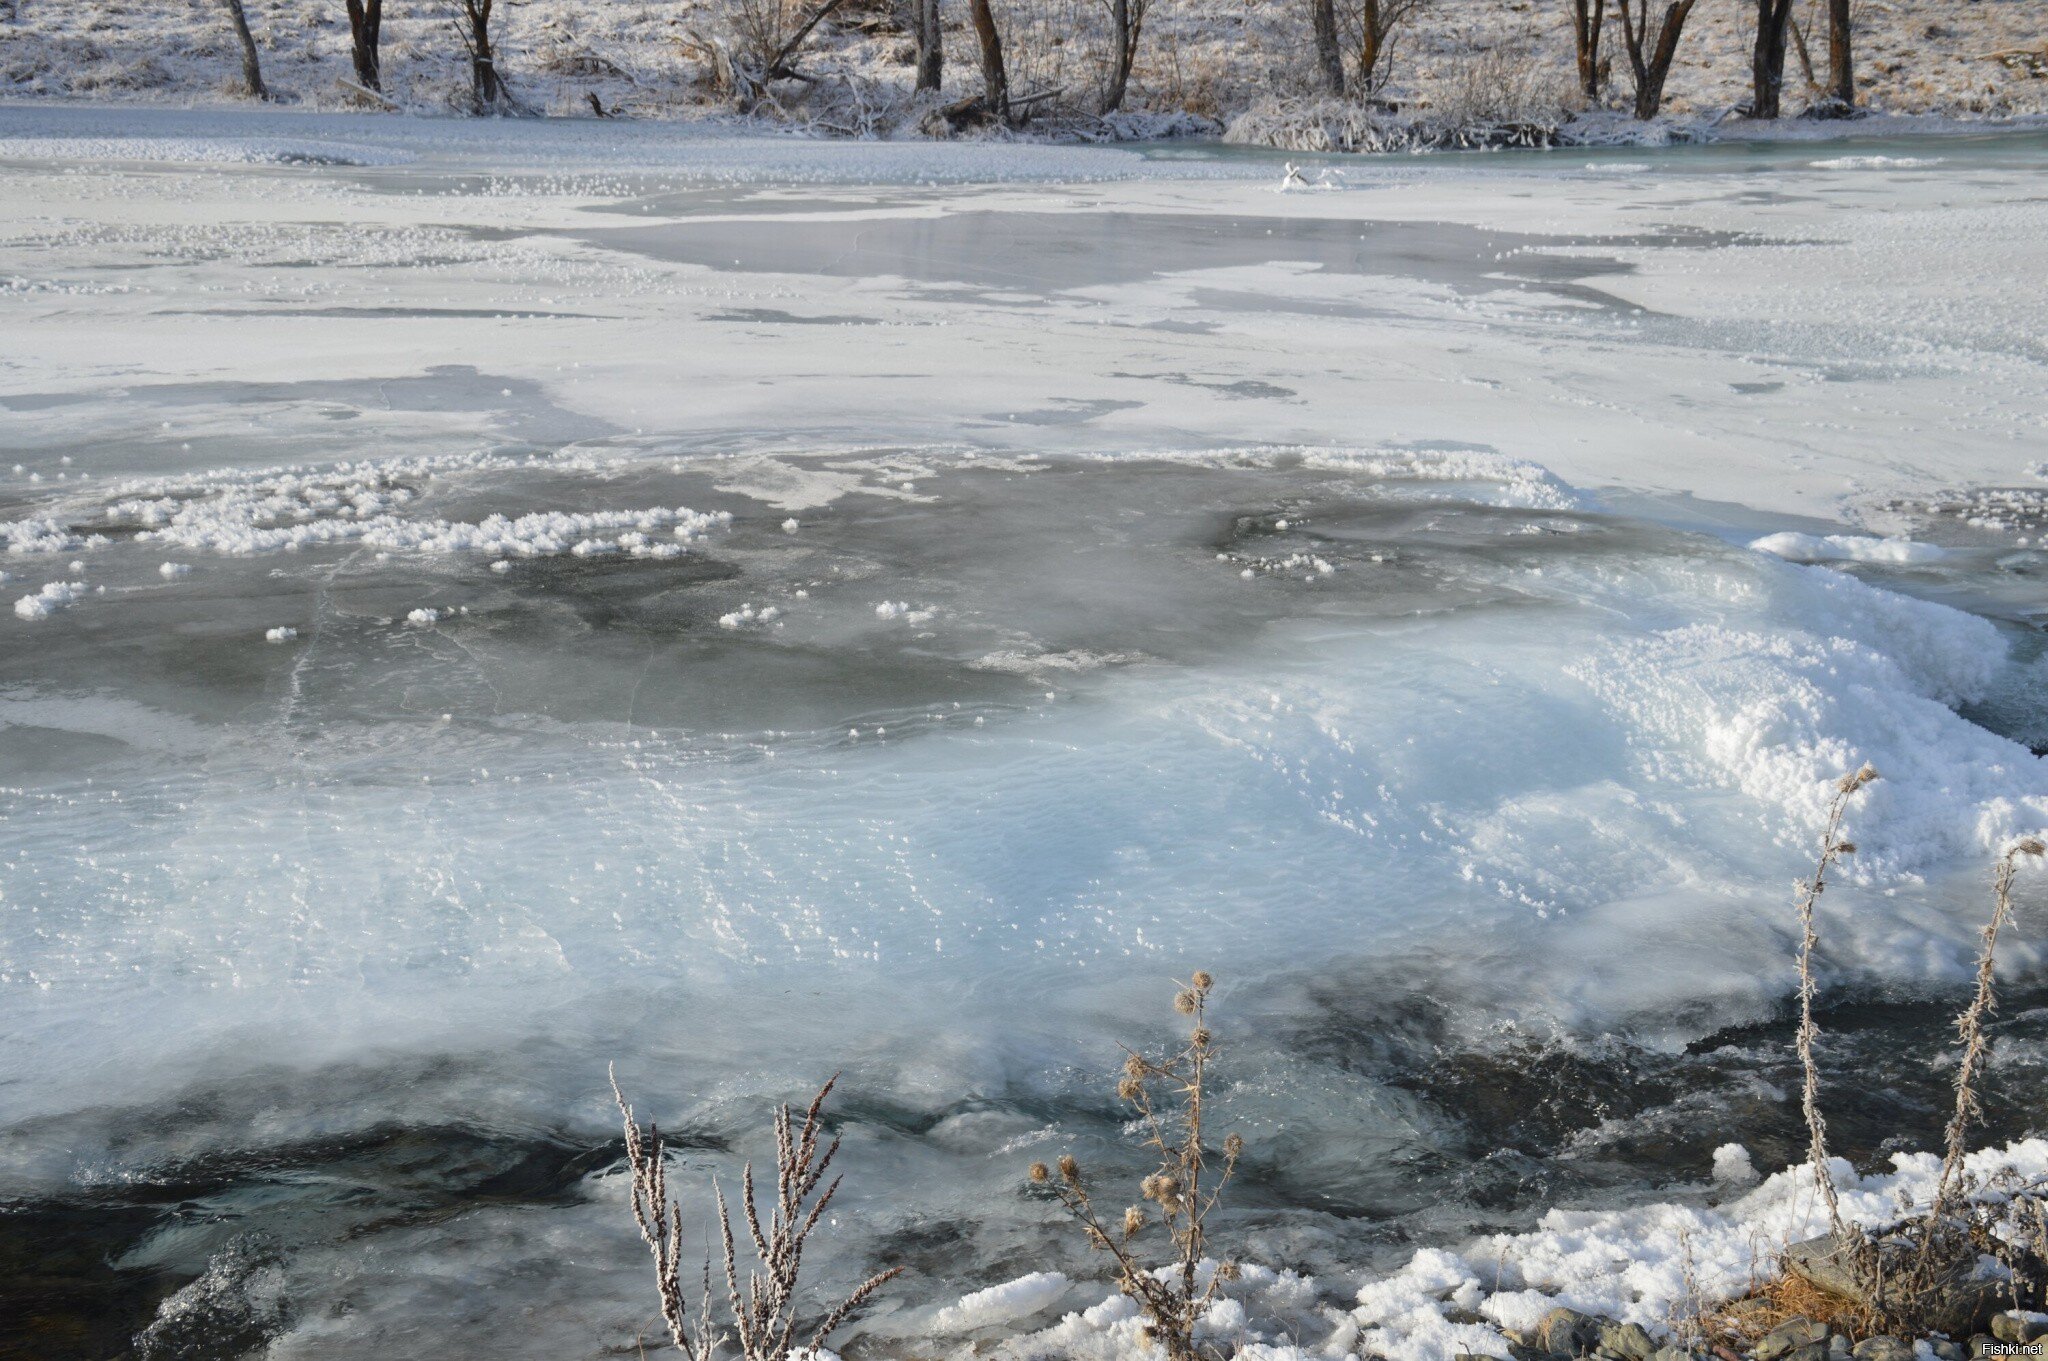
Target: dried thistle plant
<point>763,1316</point>
<point>1949,1190</point>
<point>1172,1295</point>
<point>1832,848</point>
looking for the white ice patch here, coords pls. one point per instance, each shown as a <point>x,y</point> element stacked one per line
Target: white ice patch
<point>1874,162</point>
<point>1846,548</point>
<point>1732,1165</point>
<point>43,535</point>
<point>200,151</point>
<point>54,596</point>
<point>1002,1303</point>
<point>289,509</point>
<point>280,635</point>
<point>903,610</point>
<point>1851,674</point>
<point>422,618</point>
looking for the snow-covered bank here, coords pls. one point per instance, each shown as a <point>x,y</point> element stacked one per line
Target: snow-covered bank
<point>1654,1266</point>
<point>1949,58</point>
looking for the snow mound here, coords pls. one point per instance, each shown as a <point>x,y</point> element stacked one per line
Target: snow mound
<point>1846,548</point>
<point>1001,1303</point>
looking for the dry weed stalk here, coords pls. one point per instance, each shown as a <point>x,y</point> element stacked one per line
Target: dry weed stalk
<point>1172,1296</point>
<point>1948,1191</point>
<point>764,1316</point>
<point>1832,848</point>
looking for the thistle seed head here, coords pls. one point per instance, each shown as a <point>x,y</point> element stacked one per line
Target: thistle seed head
<point>1040,1172</point>
<point>1845,848</point>
<point>1130,1089</point>
<point>1203,981</point>
<point>2030,845</point>
<point>1234,1146</point>
<point>1228,1271</point>
<point>1133,1066</point>
<point>1134,1220</point>
<point>1201,1037</point>
<point>1070,1171</point>
<point>1850,783</point>
<point>1186,1000</point>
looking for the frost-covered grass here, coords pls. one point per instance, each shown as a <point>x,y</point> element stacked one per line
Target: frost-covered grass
<point>1200,60</point>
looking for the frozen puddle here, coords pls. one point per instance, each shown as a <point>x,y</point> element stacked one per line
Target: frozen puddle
<point>741,648</point>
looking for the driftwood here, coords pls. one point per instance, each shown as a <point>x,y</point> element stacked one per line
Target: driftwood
<point>365,94</point>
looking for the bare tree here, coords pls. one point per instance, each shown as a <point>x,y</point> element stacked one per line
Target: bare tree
<point>365,20</point>
<point>1586,25</point>
<point>1374,27</point>
<point>252,70</point>
<point>1767,62</point>
<point>1329,54</point>
<point>931,44</point>
<point>487,89</point>
<point>995,81</point>
<point>1651,71</point>
<point>1127,22</point>
<point>1841,61</point>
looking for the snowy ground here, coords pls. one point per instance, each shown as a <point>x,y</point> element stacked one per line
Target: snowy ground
<point>1960,58</point>
<point>490,600</point>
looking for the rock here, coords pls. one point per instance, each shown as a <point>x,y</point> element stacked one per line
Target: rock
<point>1882,1349</point>
<point>1792,1336</point>
<point>1963,1305</point>
<point>1564,1332</point>
<point>1945,1349</point>
<point>2011,1327</point>
<point>1672,1354</point>
<point>1984,1344</point>
<point>1812,1351</point>
<point>1625,1342</point>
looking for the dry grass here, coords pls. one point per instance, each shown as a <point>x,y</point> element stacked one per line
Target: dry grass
<point>763,1315</point>
<point>1172,1294</point>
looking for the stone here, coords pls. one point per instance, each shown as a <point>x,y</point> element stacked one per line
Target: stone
<point>2012,1327</point>
<point>1625,1342</point>
<point>1672,1354</point>
<point>1564,1332</point>
<point>1945,1349</point>
<point>1791,1336</point>
<point>1812,1351</point>
<point>1984,1344</point>
<point>1964,1304</point>
<point>1882,1349</point>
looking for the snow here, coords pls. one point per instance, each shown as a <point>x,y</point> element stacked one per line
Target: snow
<point>999,1304</point>
<point>54,596</point>
<point>1846,548</point>
<point>280,635</point>
<point>1199,62</point>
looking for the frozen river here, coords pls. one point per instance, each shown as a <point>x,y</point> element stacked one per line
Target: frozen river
<point>490,601</point>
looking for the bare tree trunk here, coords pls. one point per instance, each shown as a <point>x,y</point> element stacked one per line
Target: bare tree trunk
<point>1120,57</point>
<point>1798,36</point>
<point>1767,63</point>
<point>1329,56</point>
<point>1841,60</point>
<point>486,89</point>
<point>1586,25</point>
<point>365,18</point>
<point>1371,38</point>
<point>931,52</point>
<point>252,69</point>
<point>995,83</point>
<point>1651,71</point>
